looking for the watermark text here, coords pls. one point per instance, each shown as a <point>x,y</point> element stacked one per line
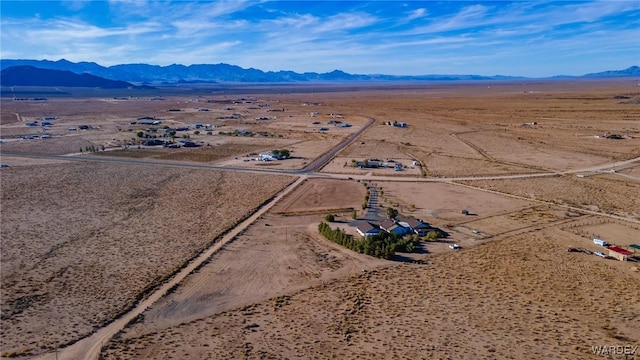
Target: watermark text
<point>605,350</point>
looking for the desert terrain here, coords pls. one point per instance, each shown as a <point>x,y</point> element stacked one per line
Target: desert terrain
<point>95,221</point>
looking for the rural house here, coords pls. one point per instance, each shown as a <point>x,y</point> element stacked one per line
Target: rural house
<point>365,229</point>
<point>392,227</point>
<point>416,225</point>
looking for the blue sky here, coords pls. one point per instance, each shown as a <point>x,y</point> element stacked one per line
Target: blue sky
<point>529,38</point>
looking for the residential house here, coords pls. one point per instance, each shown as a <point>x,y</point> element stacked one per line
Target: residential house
<point>366,228</point>
<point>392,227</point>
<point>417,226</point>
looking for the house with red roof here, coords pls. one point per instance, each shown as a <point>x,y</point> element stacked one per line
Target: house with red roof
<point>619,253</point>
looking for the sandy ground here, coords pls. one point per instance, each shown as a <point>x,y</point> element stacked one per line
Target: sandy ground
<point>283,258</point>
<point>89,238</point>
<point>81,241</point>
<point>492,301</point>
<point>322,196</point>
<point>609,193</point>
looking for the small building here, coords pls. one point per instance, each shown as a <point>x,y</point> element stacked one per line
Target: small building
<point>635,247</point>
<point>269,156</point>
<point>619,253</point>
<point>367,229</point>
<point>152,142</point>
<point>188,143</point>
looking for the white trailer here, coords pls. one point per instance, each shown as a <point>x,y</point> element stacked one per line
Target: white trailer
<point>600,242</point>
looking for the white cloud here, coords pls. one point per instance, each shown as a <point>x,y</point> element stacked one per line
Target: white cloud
<point>64,30</point>
<point>416,14</point>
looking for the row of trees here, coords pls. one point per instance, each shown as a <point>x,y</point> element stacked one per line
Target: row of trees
<point>383,245</point>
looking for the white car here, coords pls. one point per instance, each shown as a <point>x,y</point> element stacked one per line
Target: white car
<point>454,246</point>
<point>602,255</point>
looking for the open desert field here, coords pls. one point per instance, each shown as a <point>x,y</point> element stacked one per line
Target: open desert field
<point>81,242</point>
<point>521,297</point>
<point>532,163</point>
<point>609,193</point>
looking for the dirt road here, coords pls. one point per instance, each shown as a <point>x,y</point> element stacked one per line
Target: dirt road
<point>90,347</point>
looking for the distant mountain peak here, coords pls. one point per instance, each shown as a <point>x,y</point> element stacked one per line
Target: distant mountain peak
<point>628,72</point>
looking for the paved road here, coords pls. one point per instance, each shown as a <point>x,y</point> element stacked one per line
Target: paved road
<point>323,159</point>
<point>373,208</point>
<point>309,172</point>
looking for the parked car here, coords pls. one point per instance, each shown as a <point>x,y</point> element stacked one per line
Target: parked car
<point>454,247</point>
<point>598,253</point>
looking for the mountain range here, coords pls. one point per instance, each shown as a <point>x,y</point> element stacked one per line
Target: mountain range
<point>27,75</point>
<point>29,71</point>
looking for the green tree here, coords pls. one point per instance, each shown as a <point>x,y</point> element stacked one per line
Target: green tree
<point>282,153</point>
<point>392,213</point>
<point>432,235</point>
<point>140,134</point>
<point>354,214</point>
<point>330,218</point>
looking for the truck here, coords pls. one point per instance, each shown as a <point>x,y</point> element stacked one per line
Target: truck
<point>600,242</point>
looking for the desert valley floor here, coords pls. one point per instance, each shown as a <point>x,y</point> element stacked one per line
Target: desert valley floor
<point>159,224</point>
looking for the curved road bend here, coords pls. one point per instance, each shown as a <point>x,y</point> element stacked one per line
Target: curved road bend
<point>90,347</point>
